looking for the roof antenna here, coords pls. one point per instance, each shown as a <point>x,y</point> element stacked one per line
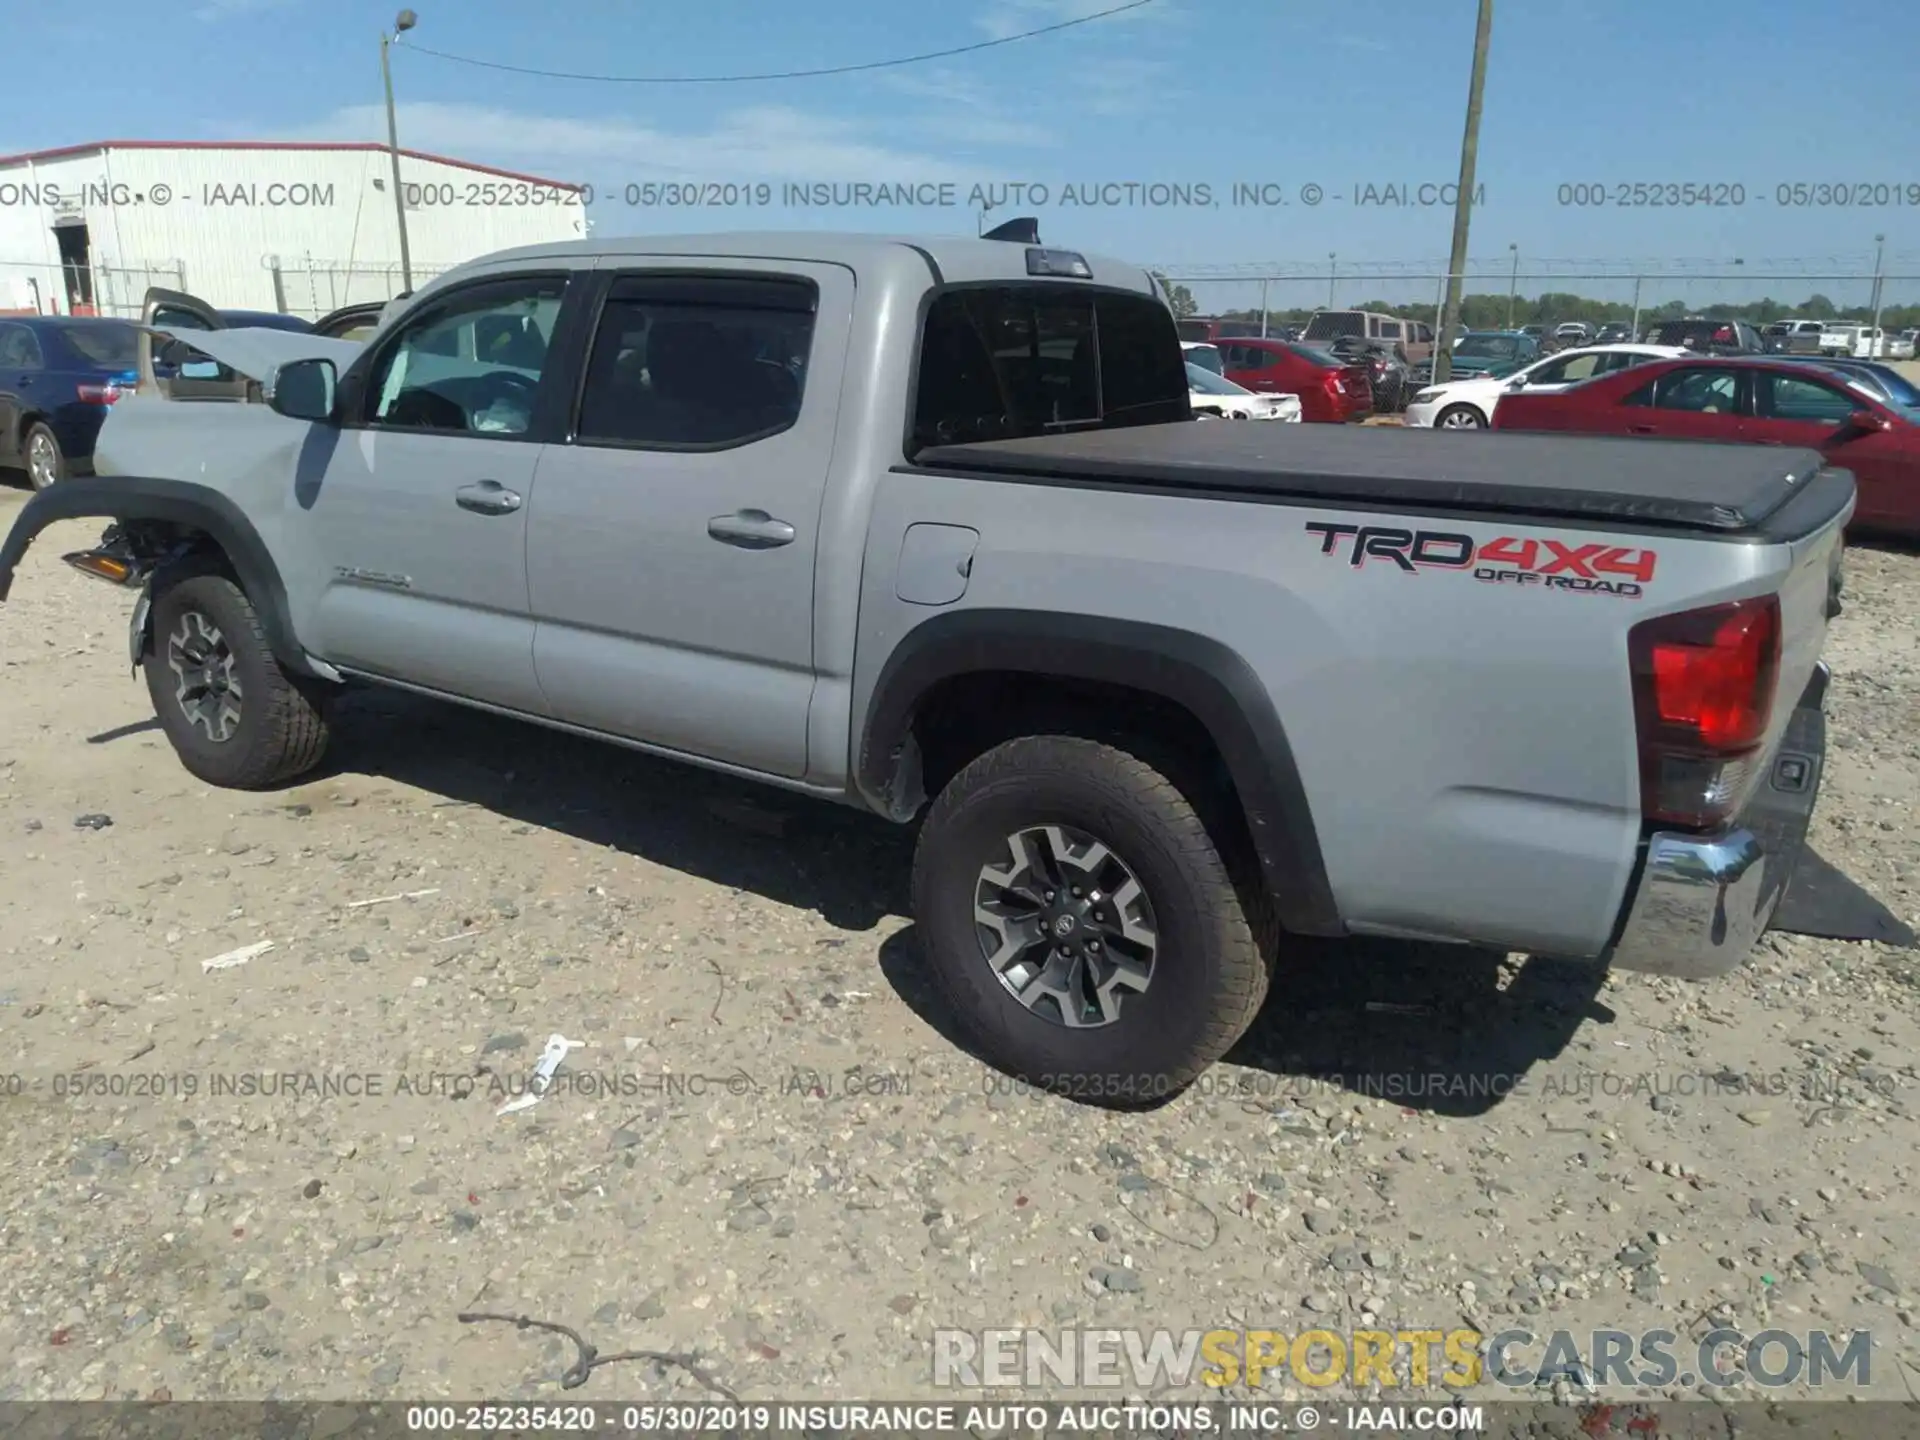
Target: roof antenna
<point>1023,231</point>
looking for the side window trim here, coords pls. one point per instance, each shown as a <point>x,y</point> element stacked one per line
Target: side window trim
<point>360,395</point>
<point>605,292</point>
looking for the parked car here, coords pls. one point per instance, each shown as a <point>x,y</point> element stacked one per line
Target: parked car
<point>1708,337</point>
<point>1206,329</point>
<point>1136,769</point>
<point>1414,339</point>
<point>1873,343</point>
<point>1207,357</point>
<point>1614,332</point>
<point>1215,397</point>
<point>1492,352</point>
<point>1900,347</point>
<point>1793,337</point>
<point>1880,378</point>
<point>1778,402</point>
<point>1469,404</point>
<point>1573,332</point>
<point>58,377</point>
<point>1387,372</point>
<point>1291,331</point>
<point>1331,390</point>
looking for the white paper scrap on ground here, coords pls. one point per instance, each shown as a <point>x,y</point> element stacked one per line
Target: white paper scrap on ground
<point>543,1073</point>
<point>236,957</point>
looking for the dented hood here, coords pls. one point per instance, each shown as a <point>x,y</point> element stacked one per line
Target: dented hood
<point>258,352</point>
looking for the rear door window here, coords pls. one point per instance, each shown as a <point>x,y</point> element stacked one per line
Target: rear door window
<point>1698,389</point>
<point>1006,362</point>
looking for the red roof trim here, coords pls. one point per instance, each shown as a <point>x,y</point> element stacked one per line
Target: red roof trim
<point>63,151</point>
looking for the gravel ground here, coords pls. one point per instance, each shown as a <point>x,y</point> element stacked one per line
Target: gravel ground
<point>825,1178</point>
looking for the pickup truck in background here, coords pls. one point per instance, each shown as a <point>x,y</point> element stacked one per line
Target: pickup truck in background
<point>926,528</point>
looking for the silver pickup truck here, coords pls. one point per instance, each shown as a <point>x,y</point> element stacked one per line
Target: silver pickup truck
<point>924,527</point>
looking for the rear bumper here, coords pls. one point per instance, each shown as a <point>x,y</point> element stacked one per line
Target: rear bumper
<point>1702,901</point>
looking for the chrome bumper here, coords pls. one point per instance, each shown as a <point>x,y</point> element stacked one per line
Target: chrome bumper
<point>1703,900</point>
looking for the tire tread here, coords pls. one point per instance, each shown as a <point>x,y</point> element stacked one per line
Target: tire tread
<point>1123,779</point>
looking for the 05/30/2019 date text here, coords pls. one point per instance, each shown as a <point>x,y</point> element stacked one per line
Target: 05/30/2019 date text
<point>1733,195</point>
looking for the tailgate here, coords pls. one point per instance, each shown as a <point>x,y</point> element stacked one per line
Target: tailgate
<point>1810,598</point>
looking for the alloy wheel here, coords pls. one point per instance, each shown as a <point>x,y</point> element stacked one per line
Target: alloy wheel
<point>206,686</point>
<point>1065,926</point>
<point>43,460</point>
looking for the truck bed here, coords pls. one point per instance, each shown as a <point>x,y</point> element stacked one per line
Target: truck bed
<point>1679,484</point>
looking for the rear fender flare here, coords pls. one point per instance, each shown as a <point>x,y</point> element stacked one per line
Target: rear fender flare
<point>124,498</point>
<point>1208,679</point>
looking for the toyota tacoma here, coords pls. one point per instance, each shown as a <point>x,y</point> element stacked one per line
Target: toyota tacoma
<point>925,527</point>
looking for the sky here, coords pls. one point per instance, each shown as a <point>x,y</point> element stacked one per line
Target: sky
<point>1357,101</point>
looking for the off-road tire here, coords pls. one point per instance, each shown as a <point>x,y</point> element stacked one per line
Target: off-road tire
<point>282,727</point>
<point>1210,972</point>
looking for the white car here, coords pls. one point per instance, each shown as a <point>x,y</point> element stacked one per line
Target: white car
<point>1469,404</point>
<point>1214,397</point>
<point>1207,357</point>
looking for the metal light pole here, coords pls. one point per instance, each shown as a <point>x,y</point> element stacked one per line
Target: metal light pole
<point>402,23</point>
<point>1263,309</point>
<point>1332,270</point>
<point>1875,344</point>
<point>1513,283</point>
<point>1463,199</point>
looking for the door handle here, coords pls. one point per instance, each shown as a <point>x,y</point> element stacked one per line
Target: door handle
<point>487,497</point>
<point>1639,429</point>
<point>750,530</point>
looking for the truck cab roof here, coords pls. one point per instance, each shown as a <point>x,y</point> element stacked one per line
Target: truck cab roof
<point>948,259</point>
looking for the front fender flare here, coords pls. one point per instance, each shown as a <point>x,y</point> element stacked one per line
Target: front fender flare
<point>124,498</point>
<point>1208,679</point>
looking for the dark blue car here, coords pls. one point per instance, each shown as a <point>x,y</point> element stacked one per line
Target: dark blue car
<point>58,375</point>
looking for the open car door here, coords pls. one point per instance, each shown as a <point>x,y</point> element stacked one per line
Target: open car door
<point>172,367</point>
<point>351,322</point>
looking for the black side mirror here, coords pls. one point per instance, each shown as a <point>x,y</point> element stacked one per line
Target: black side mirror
<point>303,390</point>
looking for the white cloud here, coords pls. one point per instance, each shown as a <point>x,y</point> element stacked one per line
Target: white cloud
<point>763,142</point>
<point>1004,18</point>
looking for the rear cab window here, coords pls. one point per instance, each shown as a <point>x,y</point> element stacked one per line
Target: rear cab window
<point>1003,362</point>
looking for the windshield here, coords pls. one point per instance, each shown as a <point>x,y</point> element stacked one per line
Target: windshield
<point>1206,357</point>
<point>114,346</point>
<point>1318,356</point>
<point>1492,347</point>
<point>1205,382</point>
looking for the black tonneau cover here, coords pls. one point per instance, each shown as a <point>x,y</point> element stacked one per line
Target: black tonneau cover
<point>1689,484</point>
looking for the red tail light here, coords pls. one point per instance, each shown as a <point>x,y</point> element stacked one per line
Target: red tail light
<point>99,394</point>
<point>1704,684</point>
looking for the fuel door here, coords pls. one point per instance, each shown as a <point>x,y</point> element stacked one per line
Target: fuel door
<point>936,562</point>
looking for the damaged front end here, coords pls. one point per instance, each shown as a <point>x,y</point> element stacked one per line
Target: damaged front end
<point>127,556</point>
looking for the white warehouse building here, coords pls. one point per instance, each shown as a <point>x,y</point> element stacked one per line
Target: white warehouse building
<point>253,225</point>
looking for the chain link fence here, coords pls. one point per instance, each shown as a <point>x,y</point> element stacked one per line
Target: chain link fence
<point>99,288</point>
<point>309,287</point>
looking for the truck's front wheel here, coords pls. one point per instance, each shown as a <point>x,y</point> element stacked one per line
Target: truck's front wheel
<point>236,719</point>
<point>1081,922</point>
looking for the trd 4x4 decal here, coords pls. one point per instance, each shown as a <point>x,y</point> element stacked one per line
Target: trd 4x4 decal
<point>1510,560</point>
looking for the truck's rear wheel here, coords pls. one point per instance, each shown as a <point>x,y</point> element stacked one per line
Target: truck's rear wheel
<point>236,719</point>
<point>1081,922</point>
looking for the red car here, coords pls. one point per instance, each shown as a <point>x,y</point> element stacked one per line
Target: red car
<point>1755,402</point>
<point>1330,390</point>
